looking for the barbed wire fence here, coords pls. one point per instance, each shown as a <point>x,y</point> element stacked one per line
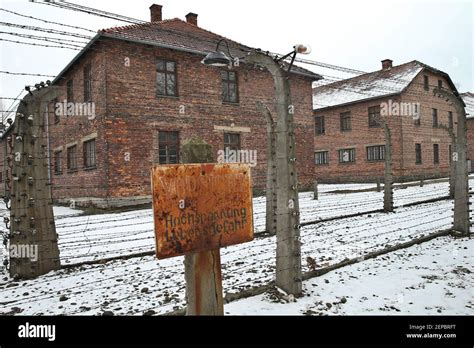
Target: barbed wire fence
<point>81,238</point>
<point>355,239</point>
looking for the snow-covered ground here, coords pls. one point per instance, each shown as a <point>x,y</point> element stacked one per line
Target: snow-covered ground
<point>138,285</point>
<point>432,278</point>
<point>94,237</point>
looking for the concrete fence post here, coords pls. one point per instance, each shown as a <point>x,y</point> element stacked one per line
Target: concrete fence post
<point>271,190</point>
<point>461,223</point>
<point>388,175</point>
<point>452,162</point>
<point>288,254</point>
<point>202,270</point>
<point>452,171</point>
<point>33,237</point>
<point>462,206</point>
<point>316,193</point>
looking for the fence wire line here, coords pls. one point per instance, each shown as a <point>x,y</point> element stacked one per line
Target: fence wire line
<point>238,284</point>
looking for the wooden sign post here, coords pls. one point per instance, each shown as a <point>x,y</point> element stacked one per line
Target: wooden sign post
<point>199,208</point>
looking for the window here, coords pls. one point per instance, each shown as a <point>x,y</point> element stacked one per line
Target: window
<point>321,157</point>
<point>435,118</point>
<point>418,153</point>
<point>89,154</point>
<point>1,176</point>
<point>58,162</point>
<point>450,120</point>
<point>416,110</point>
<point>417,115</point>
<point>69,91</point>
<point>87,83</point>
<point>345,121</point>
<point>231,142</point>
<point>229,87</point>
<point>347,156</point>
<point>440,83</point>
<point>450,154</point>
<point>374,115</point>
<point>376,153</point>
<point>166,84</point>
<point>426,82</point>
<point>168,147</point>
<point>436,153</point>
<point>72,158</point>
<point>319,125</point>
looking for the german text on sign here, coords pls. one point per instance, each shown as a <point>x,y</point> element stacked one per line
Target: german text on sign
<point>199,207</point>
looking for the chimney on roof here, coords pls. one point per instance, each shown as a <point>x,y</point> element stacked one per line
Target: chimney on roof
<point>155,13</point>
<point>192,18</point>
<point>386,64</point>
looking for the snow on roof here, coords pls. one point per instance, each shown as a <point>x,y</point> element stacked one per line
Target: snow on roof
<point>468,98</point>
<point>367,86</point>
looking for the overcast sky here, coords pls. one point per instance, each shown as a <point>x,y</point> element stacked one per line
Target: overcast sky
<point>356,34</point>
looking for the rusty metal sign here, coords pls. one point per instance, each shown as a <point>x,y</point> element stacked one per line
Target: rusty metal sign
<point>201,207</point>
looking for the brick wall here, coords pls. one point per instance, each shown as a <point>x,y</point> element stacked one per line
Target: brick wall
<point>404,136</point>
<point>82,183</point>
<point>426,134</point>
<point>130,116</point>
<point>136,115</point>
<point>359,137</point>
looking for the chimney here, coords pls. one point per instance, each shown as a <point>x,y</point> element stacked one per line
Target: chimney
<point>155,13</point>
<point>192,18</point>
<point>386,64</point>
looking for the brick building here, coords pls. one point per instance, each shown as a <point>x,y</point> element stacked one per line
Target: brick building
<point>349,142</point>
<point>150,93</point>
<point>469,101</point>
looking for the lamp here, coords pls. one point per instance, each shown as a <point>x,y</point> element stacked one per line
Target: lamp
<point>299,48</point>
<point>303,49</point>
<point>219,58</point>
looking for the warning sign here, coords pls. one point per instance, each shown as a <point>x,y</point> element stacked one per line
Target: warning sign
<point>200,207</point>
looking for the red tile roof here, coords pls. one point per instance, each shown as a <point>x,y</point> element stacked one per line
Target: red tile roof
<point>177,34</point>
